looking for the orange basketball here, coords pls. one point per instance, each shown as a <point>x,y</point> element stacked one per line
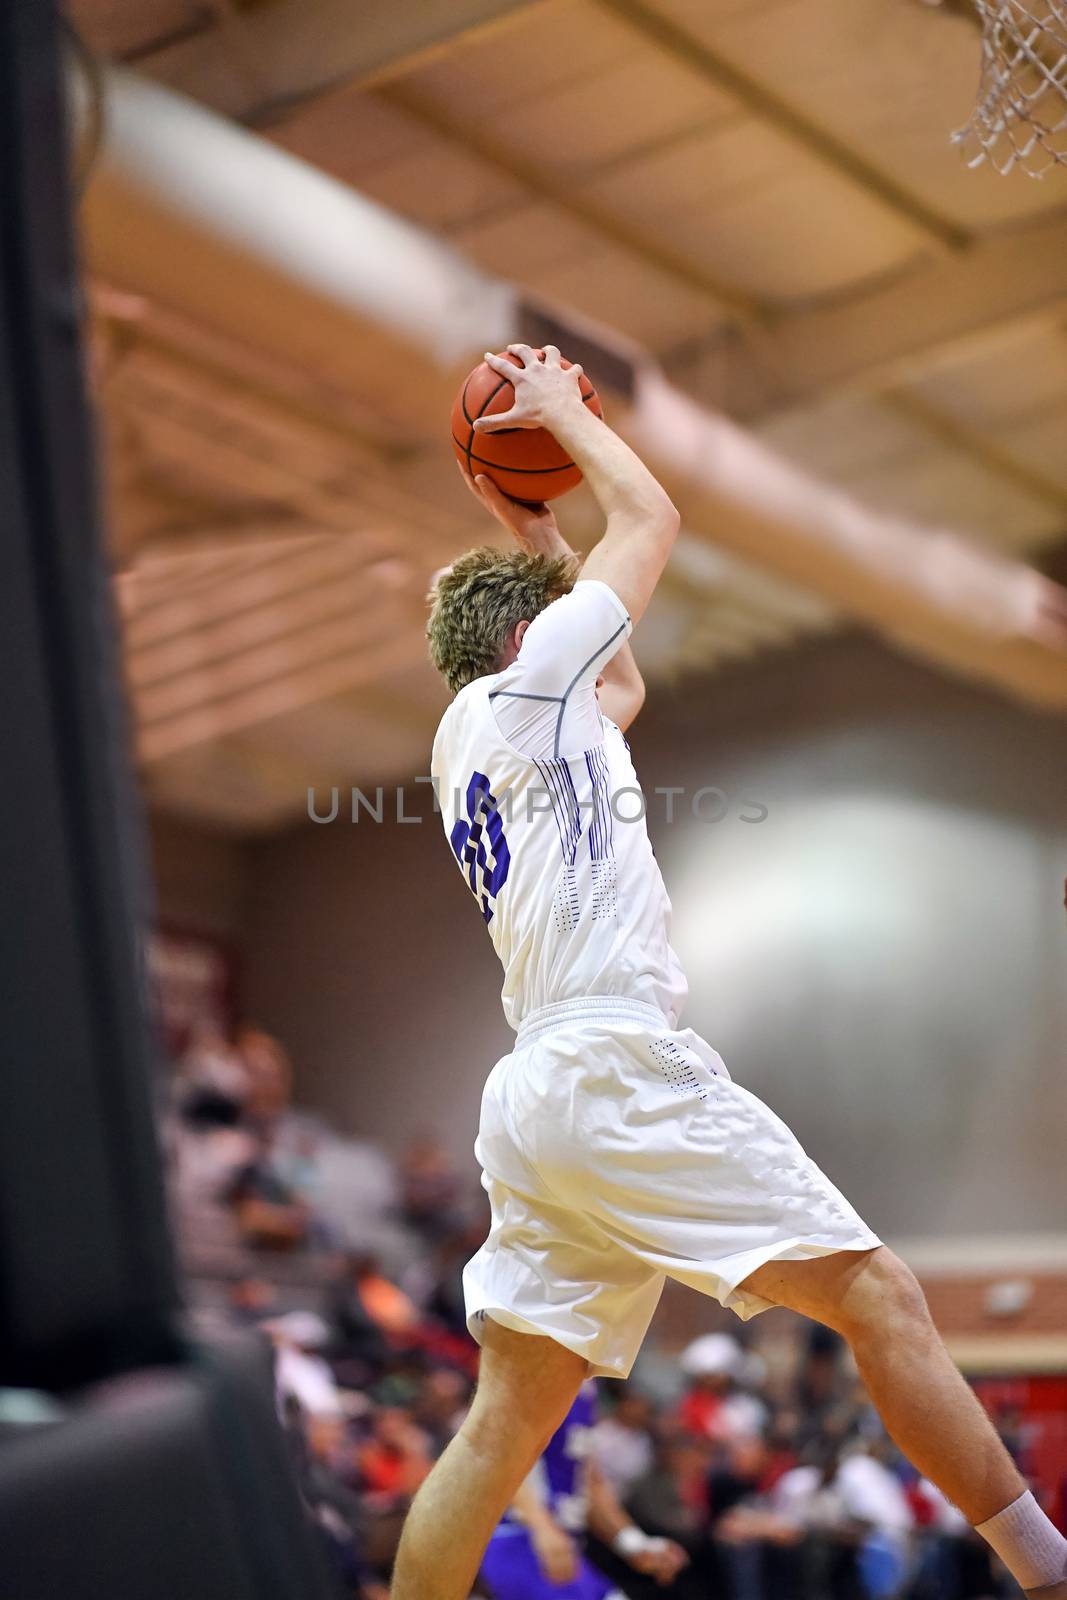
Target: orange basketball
<point>526,463</point>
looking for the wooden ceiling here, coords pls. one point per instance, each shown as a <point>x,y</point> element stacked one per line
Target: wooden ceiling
<point>761,193</point>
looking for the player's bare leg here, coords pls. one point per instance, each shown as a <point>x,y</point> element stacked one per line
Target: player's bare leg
<point>526,1386</point>
<point>874,1301</point>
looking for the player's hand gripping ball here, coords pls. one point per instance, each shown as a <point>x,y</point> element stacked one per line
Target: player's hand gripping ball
<point>525,463</point>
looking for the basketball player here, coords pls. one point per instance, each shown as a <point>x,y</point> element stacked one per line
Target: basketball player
<point>534,1555</point>
<point>615,1147</point>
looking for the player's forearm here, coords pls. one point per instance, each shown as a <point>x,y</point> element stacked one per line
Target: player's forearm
<point>642,523</point>
<point>607,1519</point>
<point>617,476</point>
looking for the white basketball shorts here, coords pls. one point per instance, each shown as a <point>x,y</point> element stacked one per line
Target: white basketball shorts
<point>617,1153</point>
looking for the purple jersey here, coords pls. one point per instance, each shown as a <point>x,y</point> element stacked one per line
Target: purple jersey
<point>560,1473</point>
<point>511,1571</point>
<point>510,1568</point>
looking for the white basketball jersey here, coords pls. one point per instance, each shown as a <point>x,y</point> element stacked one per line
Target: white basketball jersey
<point>543,811</point>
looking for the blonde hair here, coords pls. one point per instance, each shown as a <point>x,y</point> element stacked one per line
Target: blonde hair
<point>477,601</point>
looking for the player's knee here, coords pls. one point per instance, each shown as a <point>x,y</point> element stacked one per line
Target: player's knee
<point>516,1430</point>
<point>885,1295</point>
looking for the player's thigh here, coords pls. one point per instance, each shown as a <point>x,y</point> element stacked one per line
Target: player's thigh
<point>526,1386</point>
<point>833,1289</point>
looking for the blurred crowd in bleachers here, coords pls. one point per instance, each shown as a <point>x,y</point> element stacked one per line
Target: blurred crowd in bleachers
<point>767,1464</point>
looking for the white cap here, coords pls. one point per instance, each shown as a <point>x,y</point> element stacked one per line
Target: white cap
<point>713,1355</point>
<point>306,1329</point>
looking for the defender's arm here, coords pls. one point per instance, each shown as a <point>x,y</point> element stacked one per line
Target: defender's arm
<point>659,1558</point>
<point>556,1551</point>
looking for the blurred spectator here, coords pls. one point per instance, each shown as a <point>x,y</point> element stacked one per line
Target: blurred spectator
<point>269,1075</point>
<point>395,1459</point>
<point>854,1519</point>
<point>441,1406</point>
<point>271,1193</point>
<point>780,1440</point>
<point>431,1187</point>
<point>951,1561</point>
<point>821,1383</point>
<point>356,1197</point>
<point>205,1138</point>
<point>302,1371</point>
<point>715,1405</point>
<point>211,1083</point>
<point>777,1489</point>
<point>271,1215</point>
<point>622,1440</point>
<point>317,1444</point>
<point>251,1300</point>
<point>444,1287</point>
<point>361,1350</point>
<point>379,1300</point>
<point>671,1497</point>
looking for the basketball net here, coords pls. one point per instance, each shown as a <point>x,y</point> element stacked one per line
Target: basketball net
<point>1021,115</point>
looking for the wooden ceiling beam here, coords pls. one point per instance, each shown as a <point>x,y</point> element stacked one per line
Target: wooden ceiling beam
<point>202,431</point>
<point>536,179</point>
<point>692,54</point>
<point>291,691</point>
<point>213,648</point>
<point>262,64</point>
<point>247,592</point>
<point>144,593</point>
<point>1010,286</point>
<point>963,607</point>
<point>978,447</point>
<point>271,661</point>
<point>140,586</point>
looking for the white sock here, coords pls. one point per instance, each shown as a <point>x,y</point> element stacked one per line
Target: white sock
<point>1030,1546</point>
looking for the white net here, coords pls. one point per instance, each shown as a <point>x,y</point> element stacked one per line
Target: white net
<point>1021,115</point>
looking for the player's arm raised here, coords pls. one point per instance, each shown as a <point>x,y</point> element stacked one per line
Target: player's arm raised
<point>642,523</point>
<point>535,528</point>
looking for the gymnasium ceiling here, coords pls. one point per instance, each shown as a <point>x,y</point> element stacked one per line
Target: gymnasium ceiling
<point>760,193</point>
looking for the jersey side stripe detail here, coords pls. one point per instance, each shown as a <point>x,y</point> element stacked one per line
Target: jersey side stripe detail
<point>595,824</point>
<point>602,757</point>
<point>604,797</point>
<point>577,814</point>
<point>562,793</point>
<point>546,778</point>
<point>573,817</point>
<point>602,830</point>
